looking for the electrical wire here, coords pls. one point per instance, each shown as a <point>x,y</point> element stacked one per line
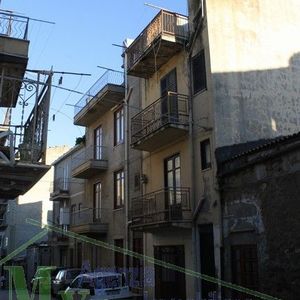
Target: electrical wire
<point>45,45</point>
<point>70,93</point>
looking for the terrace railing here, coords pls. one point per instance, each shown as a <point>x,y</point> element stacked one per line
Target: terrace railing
<point>109,77</point>
<point>169,109</point>
<point>14,26</point>
<point>164,22</point>
<point>60,185</point>
<point>165,205</point>
<point>86,216</point>
<point>89,153</point>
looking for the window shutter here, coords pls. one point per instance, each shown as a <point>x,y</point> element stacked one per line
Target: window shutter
<point>199,72</point>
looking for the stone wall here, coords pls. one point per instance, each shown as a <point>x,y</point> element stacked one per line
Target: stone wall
<point>260,205</point>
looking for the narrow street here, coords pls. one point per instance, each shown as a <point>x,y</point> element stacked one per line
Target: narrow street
<point>5,296</point>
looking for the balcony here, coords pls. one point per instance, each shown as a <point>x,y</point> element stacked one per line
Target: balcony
<point>91,161</point>
<point>165,36</point>
<point>13,56</point>
<point>163,208</point>
<point>23,147</point>
<point>88,221</point>
<point>107,92</point>
<point>60,190</point>
<point>161,123</point>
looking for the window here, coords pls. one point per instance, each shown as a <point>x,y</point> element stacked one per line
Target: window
<point>64,183</point>
<point>98,143</point>
<point>119,188</point>
<point>119,126</point>
<point>169,102</point>
<point>205,154</point>
<point>97,201</point>
<point>199,72</point>
<point>168,83</point>
<point>173,179</point>
<point>173,200</point>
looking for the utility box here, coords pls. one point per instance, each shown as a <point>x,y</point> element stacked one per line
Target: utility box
<point>64,216</point>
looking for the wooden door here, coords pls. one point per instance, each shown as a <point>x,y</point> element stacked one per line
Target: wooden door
<point>169,283</point>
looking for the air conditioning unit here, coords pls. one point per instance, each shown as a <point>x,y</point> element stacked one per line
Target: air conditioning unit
<point>64,216</point>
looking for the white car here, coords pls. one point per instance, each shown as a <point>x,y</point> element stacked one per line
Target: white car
<point>101,285</point>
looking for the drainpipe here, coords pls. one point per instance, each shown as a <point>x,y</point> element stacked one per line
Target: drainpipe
<point>126,157</point>
<point>195,239</point>
<point>127,150</point>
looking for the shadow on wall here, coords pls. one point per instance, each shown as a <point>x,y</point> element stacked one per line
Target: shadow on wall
<point>16,219</point>
<point>257,105</point>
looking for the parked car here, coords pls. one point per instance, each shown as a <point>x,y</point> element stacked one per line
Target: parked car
<point>39,275</point>
<point>63,279</point>
<point>101,285</point>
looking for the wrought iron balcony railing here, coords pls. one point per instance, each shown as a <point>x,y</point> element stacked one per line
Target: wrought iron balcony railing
<point>28,142</point>
<point>166,205</point>
<point>109,77</point>
<point>164,22</point>
<point>86,216</point>
<point>90,153</point>
<point>13,25</point>
<point>170,109</point>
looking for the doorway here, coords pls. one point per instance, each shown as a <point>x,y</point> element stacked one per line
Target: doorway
<point>170,284</point>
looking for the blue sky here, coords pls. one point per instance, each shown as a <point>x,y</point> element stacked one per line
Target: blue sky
<point>80,40</point>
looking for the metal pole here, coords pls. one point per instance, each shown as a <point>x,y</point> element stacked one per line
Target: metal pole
<point>35,117</point>
<point>1,82</point>
<point>46,119</point>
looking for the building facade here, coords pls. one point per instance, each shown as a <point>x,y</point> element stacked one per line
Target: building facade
<point>196,91</point>
<point>235,92</point>
<point>66,192</point>
<point>98,172</point>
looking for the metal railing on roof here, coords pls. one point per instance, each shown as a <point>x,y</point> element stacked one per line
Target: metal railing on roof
<point>164,22</point>
<point>14,26</point>
<point>109,77</point>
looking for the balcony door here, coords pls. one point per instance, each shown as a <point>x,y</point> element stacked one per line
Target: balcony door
<point>65,180</point>
<point>173,195</point>
<point>97,201</point>
<point>169,103</point>
<point>98,143</point>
